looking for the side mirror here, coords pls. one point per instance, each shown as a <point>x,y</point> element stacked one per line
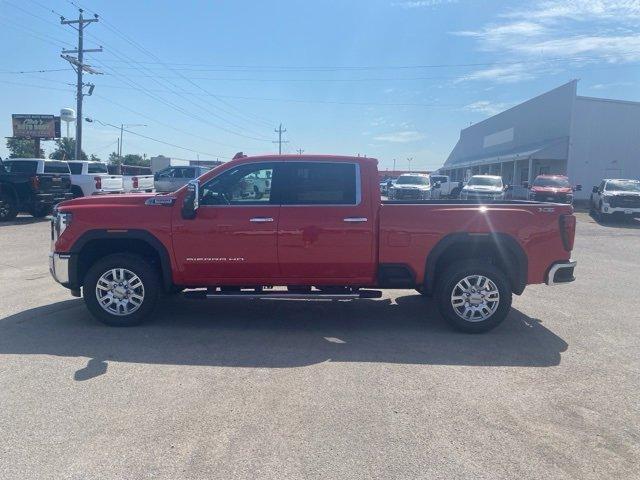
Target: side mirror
<point>436,185</point>
<point>460,184</point>
<point>191,200</point>
<point>508,187</point>
<point>525,184</point>
<point>594,189</point>
<point>578,188</point>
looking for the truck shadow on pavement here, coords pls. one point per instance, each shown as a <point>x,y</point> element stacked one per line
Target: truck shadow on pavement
<point>277,334</point>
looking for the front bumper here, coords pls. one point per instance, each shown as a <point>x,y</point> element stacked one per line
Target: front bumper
<point>59,267</point>
<point>606,208</point>
<point>561,272</point>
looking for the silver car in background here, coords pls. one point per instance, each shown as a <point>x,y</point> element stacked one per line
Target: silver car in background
<point>172,178</point>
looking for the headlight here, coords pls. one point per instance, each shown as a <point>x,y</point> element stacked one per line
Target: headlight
<point>61,221</point>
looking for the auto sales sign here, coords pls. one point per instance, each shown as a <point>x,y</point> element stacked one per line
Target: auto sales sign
<point>27,125</point>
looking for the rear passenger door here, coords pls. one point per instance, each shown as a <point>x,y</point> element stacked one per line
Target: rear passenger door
<point>326,229</point>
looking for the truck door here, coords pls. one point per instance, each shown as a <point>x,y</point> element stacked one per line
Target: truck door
<point>326,229</point>
<point>233,237</point>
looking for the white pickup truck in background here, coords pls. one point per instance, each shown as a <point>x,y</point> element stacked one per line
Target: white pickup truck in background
<point>447,188</point>
<point>93,178</point>
<point>137,179</point>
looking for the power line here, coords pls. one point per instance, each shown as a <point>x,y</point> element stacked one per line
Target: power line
<point>149,138</point>
<point>283,68</point>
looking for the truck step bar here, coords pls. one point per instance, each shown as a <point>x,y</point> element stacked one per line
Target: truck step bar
<point>355,294</point>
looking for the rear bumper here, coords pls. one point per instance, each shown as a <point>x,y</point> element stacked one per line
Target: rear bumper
<point>52,198</point>
<point>108,192</point>
<point>561,272</point>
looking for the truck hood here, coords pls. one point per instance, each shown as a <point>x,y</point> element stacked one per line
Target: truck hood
<point>412,187</point>
<point>482,188</point>
<point>552,189</point>
<point>102,200</point>
<point>621,192</point>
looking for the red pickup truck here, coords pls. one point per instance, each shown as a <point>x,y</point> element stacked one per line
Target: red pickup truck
<point>315,225</point>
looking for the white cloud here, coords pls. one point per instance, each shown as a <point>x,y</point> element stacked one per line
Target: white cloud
<point>549,33</point>
<point>405,136</point>
<point>486,107</point>
<point>605,86</point>
<point>421,3</point>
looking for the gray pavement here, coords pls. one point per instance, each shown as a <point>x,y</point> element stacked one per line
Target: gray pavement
<point>317,390</point>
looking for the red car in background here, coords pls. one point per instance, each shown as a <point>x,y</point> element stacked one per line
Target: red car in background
<point>552,188</point>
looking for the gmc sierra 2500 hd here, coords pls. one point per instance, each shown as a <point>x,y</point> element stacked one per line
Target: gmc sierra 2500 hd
<point>319,229</point>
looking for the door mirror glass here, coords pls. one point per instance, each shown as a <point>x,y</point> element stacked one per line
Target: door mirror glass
<point>594,189</point>
<point>436,185</point>
<point>191,200</point>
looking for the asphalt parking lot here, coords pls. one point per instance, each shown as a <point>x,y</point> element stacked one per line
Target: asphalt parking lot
<point>298,389</point>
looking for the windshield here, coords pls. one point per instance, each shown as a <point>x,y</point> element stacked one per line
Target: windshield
<point>412,180</point>
<point>56,167</point>
<point>558,182</point>
<point>96,167</point>
<point>485,182</point>
<point>623,185</point>
<point>20,167</point>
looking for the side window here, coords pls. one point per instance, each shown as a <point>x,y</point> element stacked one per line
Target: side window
<point>317,183</point>
<point>602,185</point>
<point>189,172</point>
<point>76,168</point>
<point>243,185</point>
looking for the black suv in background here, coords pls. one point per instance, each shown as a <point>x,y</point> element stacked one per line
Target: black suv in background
<point>32,185</point>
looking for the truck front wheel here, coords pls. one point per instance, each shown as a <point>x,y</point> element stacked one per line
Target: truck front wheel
<point>121,290</point>
<point>473,296</point>
<point>8,207</point>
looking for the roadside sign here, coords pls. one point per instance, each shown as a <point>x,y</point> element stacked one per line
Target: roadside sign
<point>35,126</point>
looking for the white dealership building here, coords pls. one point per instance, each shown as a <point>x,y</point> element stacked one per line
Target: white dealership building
<point>557,132</point>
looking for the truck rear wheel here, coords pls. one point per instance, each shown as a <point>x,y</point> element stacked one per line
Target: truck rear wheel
<point>121,290</point>
<point>8,207</point>
<point>473,296</point>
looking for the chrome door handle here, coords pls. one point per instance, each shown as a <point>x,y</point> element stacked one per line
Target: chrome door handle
<point>355,219</point>
<point>261,219</point>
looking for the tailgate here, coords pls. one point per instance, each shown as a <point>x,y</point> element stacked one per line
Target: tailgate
<point>111,183</point>
<point>54,182</point>
<point>145,182</point>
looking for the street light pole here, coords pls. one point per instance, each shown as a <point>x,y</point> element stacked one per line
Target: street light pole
<point>410,159</point>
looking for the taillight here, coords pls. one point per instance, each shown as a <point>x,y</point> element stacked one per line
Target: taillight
<point>567,231</point>
<point>35,182</point>
<point>98,182</point>
<point>135,182</point>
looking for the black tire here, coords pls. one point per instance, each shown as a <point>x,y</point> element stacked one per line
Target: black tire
<point>41,211</point>
<point>8,207</point>
<point>456,273</point>
<point>148,275</point>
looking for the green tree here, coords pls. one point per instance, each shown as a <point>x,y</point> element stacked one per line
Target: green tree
<point>114,159</point>
<point>95,158</point>
<point>23,148</point>
<point>137,160</point>
<point>65,150</point>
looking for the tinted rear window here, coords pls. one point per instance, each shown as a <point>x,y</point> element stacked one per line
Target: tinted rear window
<point>319,184</point>
<point>76,168</point>
<point>56,167</point>
<point>97,167</point>
<point>21,167</point>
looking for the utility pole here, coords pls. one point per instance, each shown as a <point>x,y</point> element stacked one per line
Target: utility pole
<point>80,67</point>
<point>128,125</point>
<point>280,131</point>
<point>410,159</point>
<point>394,164</point>
<point>300,151</point>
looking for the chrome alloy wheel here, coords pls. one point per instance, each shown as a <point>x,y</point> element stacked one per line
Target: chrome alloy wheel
<point>120,291</point>
<point>475,298</point>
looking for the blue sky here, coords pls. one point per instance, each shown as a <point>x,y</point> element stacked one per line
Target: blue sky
<point>385,78</point>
